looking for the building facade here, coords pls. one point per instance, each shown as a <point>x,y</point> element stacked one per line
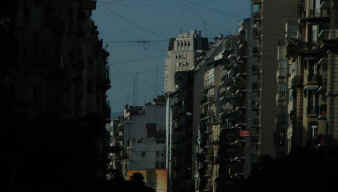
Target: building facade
<point>286,70</point>
<point>55,68</point>
<point>117,164</point>
<point>268,29</point>
<point>312,72</point>
<point>144,138</point>
<point>181,132</point>
<point>182,54</point>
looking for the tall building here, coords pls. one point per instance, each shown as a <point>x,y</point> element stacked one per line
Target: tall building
<point>221,134</point>
<point>211,106</point>
<point>268,23</point>
<point>286,70</point>
<point>117,165</point>
<point>60,64</point>
<point>53,75</point>
<point>312,72</point>
<point>181,142</point>
<point>182,52</point>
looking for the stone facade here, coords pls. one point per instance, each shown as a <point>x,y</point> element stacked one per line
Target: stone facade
<point>182,54</point>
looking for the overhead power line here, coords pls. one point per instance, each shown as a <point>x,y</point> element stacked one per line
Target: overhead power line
<point>133,23</point>
<point>139,41</point>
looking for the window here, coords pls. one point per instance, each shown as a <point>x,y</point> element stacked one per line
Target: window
<point>209,77</point>
<point>312,102</point>
<point>211,92</point>
<point>314,130</point>
<point>143,154</point>
<point>323,109</point>
<point>314,33</point>
<point>151,129</point>
<point>310,70</point>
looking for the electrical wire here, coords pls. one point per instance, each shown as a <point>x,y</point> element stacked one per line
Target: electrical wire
<point>139,41</point>
<point>137,60</point>
<point>133,23</point>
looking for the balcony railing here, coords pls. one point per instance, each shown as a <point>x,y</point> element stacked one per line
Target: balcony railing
<point>315,15</point>
<point>329,35</point>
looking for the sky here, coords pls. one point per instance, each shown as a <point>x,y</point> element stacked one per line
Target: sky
<point>125,24</point>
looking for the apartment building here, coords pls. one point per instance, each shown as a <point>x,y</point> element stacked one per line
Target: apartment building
<point>53,77</point>
<point>268,28</point>
<point>181,141</point>
<point>144,138</point>
<point>285,105</point>
<point>117,165</point>
<point>313,78</point>
<point>60,66</point>
<point>223,106</point>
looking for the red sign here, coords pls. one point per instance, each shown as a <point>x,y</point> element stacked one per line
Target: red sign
<point>244,133</point>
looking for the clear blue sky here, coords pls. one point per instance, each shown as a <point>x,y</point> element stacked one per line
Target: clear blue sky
<point>120,21</point>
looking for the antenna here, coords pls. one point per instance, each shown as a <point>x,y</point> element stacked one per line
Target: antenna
<point>135,89</point>
<point>157,80</point>
<point>128,98</point>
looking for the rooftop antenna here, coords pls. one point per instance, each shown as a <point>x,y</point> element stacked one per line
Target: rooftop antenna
<point>128,98</point>
<point>135,89</point>
<point>157,80</point>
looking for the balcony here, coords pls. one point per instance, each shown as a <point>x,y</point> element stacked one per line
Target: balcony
<point>322,61</point>
<point>318,15</point>
<point>211,99</point>
<point>314,80</point>
<point>329,36</point>
<point>312,111</point>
